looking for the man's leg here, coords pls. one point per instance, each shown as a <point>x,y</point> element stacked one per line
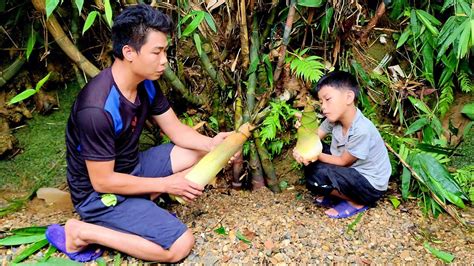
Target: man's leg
<point>80,234</point>
<point>182,159</point>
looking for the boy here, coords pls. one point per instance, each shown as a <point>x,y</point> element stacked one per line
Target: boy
<point>109,179</point>
<point>354,173</point>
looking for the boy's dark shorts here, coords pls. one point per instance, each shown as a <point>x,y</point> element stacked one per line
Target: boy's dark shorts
<point>138,215</point>
<point>322,178</point>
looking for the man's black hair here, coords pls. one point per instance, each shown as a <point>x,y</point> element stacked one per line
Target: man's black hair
<point>339,80</point>
<point>132,26</point>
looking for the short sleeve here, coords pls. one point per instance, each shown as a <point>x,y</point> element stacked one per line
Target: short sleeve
<point>96,135</point>
<point>160,104</point>
<point>326,126</point>
<point>359,145</point>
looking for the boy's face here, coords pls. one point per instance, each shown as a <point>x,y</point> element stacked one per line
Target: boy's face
<point>151,60</point>
<point>335,102</point>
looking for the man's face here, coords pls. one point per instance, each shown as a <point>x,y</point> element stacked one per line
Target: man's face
<point>151,60</point>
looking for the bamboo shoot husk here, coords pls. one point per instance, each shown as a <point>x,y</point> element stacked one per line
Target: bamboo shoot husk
<point>308,144</point>
<point>213,162</point>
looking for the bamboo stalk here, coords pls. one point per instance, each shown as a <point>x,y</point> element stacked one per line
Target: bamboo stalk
<point>270,175</point>
<point>449,209</point>
<point>269,23</point>
<point>244,36</point>
<point>65,43</point>
<point>217,77</point>
<point>258,180</point>
<point>238,163</point>
<point>252,80</point>
<point>171,77</point>
<point>373,22</point>
<point>11,70</point>
<point>286,37</point>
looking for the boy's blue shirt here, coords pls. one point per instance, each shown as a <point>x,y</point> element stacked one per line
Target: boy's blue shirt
<point>364,142</point>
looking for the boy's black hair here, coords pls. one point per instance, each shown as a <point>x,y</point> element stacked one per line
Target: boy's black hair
<point>131,27</point>
<point>338,80</point>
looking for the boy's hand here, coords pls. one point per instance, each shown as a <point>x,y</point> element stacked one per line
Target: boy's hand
<point>300,158</point>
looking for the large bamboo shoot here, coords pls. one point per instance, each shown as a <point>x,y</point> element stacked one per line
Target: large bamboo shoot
<point>308,144</point>
<point>211,164</point>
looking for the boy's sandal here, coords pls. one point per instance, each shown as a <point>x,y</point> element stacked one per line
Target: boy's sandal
<point>345,209</point>
<point>326,201</point>
<point>57,237</point>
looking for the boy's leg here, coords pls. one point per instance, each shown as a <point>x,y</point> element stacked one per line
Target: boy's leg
<point>80,234</point>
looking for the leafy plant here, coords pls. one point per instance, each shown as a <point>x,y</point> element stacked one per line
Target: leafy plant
<point>309,68</point>
<point>197,17</point>
<point>428,123</point>
<point>29,92</point>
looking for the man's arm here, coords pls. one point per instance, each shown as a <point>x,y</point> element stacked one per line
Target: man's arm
<point>105,180</point>
<point>183,135</point>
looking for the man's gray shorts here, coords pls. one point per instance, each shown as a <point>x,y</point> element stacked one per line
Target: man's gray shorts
<point>137,215</point>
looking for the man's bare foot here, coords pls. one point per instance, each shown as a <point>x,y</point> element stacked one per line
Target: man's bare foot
<point>74,243</point>
<point>332,211</point>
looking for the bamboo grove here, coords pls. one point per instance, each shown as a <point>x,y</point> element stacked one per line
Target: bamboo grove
<point>237,62</point>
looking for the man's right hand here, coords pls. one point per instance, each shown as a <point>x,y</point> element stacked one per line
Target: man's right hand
<point>177,184</point>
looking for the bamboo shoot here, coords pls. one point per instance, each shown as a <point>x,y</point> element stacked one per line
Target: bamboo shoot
<point>211,164</point>
<point>308,144</point>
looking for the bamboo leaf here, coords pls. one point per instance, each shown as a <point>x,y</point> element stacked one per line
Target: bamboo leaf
<point>404,37</point>
<point>310,3</point>
<point>468,110</point>
<point>52,262</point>
<point>419,105</point>
<point>221,231</point>
<point>79,5</point>
<point>417,125</point>
<point>242,238</point>
<point>19,240</point>
<point>463,45</point>
<point>210,21</point>
<point>197,41</point>
<point>89,21</point>
<point>22,96</point>
<point>30,250</point>
<point>428,20</point>
<point>395,202</point>
<point>49,252</point>
<point>50,7</point>
<point>41,82</point>
<point>442,255</point>
<point>31,43</point>
<point>108,12</point>
<point>325,22</point>
<point>406,179</point>
<point>28,231</point>
<point>194,24</point>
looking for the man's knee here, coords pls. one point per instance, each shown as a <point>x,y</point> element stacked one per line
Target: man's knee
<point>182,247</point>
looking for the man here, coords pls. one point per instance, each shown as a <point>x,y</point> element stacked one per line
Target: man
<point>109,179</point>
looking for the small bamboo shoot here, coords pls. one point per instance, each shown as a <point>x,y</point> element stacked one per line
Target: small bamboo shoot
<point>211,164</point>
<point>308,144</point>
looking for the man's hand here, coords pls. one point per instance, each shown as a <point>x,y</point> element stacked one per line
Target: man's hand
<point>300,159</point>
<point>178,185</point>
<point>217,139</point>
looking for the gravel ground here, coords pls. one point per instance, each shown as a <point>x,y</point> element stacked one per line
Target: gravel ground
<point>262,227</point>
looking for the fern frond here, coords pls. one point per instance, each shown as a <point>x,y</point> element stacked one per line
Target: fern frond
<point>446,98</point>
<point>465,81</point>
<point>308,68</point>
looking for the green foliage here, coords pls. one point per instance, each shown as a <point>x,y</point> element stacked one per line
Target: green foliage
<point>31,43</point>
<point>197,17</point>
<point>310,3</point>
<point>442,255</point>
<point>465,178</point>
<point>89,20</point>
<point>309,68</point>
<point>29,92</point>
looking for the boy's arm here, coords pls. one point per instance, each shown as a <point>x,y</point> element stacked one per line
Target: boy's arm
<point>105,180</point>
<point>346,159</point>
